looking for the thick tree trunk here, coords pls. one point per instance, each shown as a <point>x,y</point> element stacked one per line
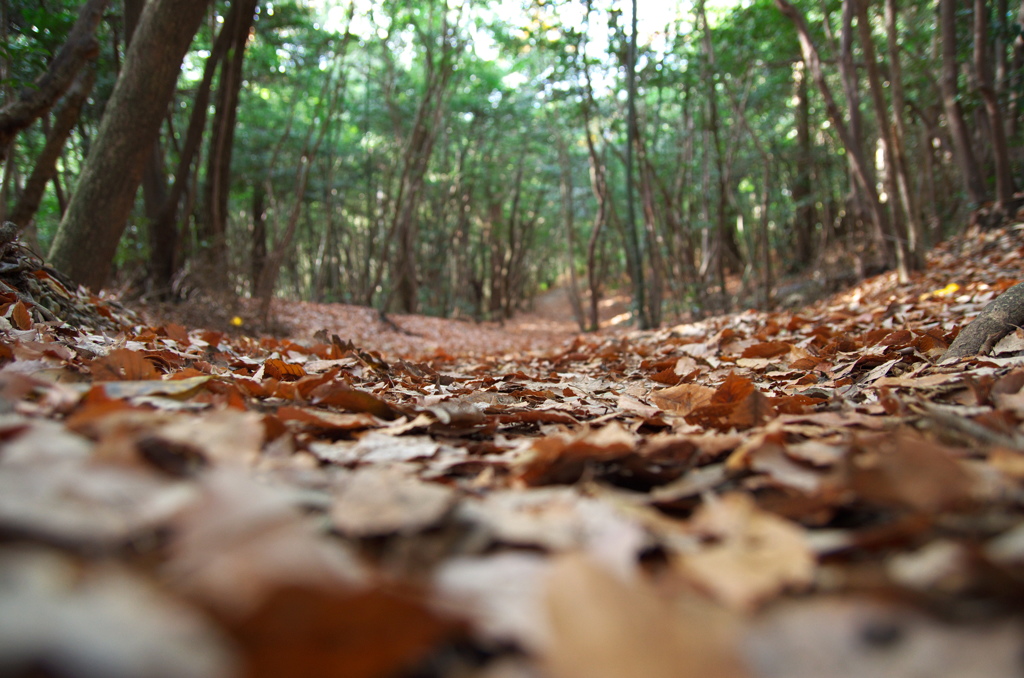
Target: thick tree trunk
<point>87,238</point>
<point>154,180</point>
<point>79,48</point>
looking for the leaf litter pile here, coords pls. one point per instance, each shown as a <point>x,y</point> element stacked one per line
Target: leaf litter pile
<point>797,494</point>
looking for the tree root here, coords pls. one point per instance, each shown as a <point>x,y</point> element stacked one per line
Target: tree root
<point>1001,316</point>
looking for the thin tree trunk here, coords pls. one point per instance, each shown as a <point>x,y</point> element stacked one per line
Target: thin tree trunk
<point>906,259</point>
<point>164,230</point>
<point>600,189</point>
<point>258,251</point>
<point>1016,84</point>
<point>634,254</point>
<point>963,149</point>
<point>271,269</point>
<point>916,236</point>
<point>997,130</point>
<point>222,139</point>
<point>851,89</point>
<point>860,167</point>
<point>45,169</point>
<point>569,221</point>
<point>803,199</point>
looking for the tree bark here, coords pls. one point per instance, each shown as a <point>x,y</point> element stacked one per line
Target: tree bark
<point>214,222</point>
<point>851,89</point>
<point>1001,316</point>
<point>860,167</point>
<point>916,238</point>
<point>164,230</point>
<point>634,254</point>
<point>803,198</point>
<point>79,48</point>
<point>569,221</point>
<point>599,186</point>
<point>87,238</point>
<point>997,131</point>
<point>906,259</point>
<point>962,147</point>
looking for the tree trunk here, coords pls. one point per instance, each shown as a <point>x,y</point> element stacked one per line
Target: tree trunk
<point>997,130</point>
<point>87,238</point>
<point>803,198</point>
<point>851,89</point>
<point>45,169</point>
<point>164,243</point>
<point>634,254</point>
<point>963,150</point>
<point>906,259</point>
<point>860,167</point>
<point>79,48</point>
<point>916,237</point>
<point>1016,84</point>
<point>258,254</point>
<point>154,181</point>
<point>600,189</point>
<point>569,221</point>
<point>214,220</point>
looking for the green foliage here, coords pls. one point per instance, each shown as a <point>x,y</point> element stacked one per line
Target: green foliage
<point>507,99</point>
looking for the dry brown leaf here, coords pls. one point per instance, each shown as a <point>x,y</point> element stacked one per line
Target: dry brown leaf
<point>682,399</point>
<point>122,364</point>
<point>240,540</point>
<point>749,555</point>
<point>308,632</point>
<point>910,472</point>
<point>603,627</point>
<point>379,501</point>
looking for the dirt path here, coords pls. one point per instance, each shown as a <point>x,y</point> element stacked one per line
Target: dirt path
<point>548,324</point>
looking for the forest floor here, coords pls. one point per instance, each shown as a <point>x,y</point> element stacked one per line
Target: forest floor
<point>798,493</point>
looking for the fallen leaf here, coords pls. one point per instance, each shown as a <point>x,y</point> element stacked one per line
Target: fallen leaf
<point>749,555</point>
<point>388,500</point>
<point>603,627</point>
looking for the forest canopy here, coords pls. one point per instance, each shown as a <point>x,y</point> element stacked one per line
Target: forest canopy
<point>456,159</point>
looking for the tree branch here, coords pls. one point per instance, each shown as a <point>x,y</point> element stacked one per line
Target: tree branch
<point>80,47</point>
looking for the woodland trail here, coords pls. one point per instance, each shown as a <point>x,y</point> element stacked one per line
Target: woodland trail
<point>798,493</point>
<point>546,325</point>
